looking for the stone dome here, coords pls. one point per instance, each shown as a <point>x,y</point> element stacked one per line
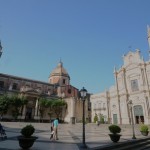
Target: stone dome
<point>60,71</point>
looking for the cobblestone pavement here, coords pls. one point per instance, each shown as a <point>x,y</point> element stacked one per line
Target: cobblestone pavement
<point>70,136</point>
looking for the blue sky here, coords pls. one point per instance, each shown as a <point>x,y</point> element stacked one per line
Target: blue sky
<point>90,37</point>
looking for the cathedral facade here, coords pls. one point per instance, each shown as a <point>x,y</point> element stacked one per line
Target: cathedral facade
<point>58,86</point>
<point>132,85</point>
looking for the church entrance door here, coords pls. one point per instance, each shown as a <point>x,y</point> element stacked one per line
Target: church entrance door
<point>115,119</point>
<point>29,113</point>
<point>138,114</point>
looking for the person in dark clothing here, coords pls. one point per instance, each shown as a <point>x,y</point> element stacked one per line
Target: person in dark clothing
<point>2,131</point>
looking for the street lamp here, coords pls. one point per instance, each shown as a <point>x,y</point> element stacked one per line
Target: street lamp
<point>83,93</point>
<point>130,107</point>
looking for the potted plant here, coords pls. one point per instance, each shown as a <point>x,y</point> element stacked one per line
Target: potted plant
<point>26,140</point>
<point>144,130</point>
<point>95,118</point>
<point>114,136</point>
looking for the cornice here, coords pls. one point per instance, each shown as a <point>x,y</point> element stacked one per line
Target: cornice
<point>24,79</point>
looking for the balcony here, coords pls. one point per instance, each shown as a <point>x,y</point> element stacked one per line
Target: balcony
<point>103,108</point>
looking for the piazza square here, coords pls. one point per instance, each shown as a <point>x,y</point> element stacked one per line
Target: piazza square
<point>110,107</point>
<point>62,84</point>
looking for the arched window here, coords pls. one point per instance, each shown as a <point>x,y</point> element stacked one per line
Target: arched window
<point>69,91</point>
<point>15,85</point>
<point>1,84</point>
<point>64,81</point>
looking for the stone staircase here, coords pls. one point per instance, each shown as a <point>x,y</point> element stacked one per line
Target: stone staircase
<point>137,144</point>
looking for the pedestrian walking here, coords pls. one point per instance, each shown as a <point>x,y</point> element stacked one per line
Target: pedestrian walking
<point>55,124</point>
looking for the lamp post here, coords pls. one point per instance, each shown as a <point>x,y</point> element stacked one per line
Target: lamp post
<point>130,107</point>
<point>83,93</point>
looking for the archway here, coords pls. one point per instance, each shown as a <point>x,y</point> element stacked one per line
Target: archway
<point>28,113</point>
<point>138,114</point>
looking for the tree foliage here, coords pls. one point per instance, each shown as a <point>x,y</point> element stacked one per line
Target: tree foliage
<point>4,104</point>
<point>58,106</point>
<point>43,105</point>
<point>54,105</point>
<point>17,102</point>
<point>114,129</point>
<point>50,111</point>
<point>102,118</point>
<point>95,118</point>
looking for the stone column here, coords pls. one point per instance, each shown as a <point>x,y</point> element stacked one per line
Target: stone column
<point>143,77</point>
<point>118,96</point>
<point>148,89</point>
<point>72,119</point>
<point>127,94</point>
<point>145,73</point>
<point>23,112</point>
<point>108,106</point>
<point>36,115</point>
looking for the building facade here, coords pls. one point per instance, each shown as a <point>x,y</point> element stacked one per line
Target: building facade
<point>132,83</point>
<point>58,86</point>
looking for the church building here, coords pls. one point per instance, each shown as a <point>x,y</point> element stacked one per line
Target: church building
<point>130,96</point>
<point>58,86</point>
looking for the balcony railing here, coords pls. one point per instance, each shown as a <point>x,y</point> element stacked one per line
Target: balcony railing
<point>25,89</point>
<point>103,108</point>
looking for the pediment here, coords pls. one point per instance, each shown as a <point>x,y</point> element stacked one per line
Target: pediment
<point>33,91</point>
<point>132,57</point>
